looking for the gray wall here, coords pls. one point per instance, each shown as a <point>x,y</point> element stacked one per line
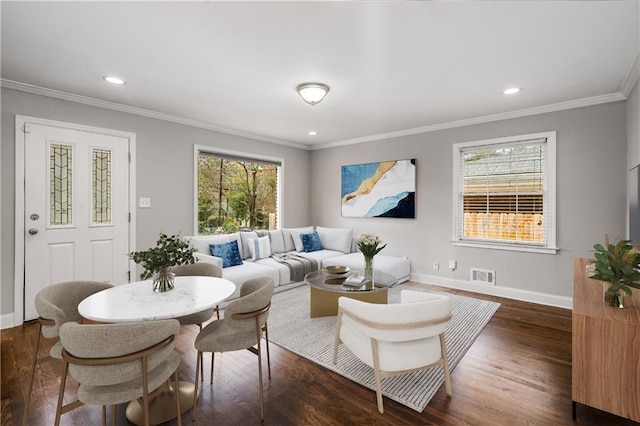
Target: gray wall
<point>591,196</point>
<point>633,162</point>
<point>592,148</point>
<point>164,170</point>
<point>633,127</point>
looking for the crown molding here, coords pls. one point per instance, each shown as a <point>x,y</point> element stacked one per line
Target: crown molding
<point>58,94</point>
<point>632,77</point>
<point>578,103</point>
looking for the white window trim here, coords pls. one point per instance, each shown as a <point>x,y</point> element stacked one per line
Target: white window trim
<point>549,188</point>
<point>197,149</point>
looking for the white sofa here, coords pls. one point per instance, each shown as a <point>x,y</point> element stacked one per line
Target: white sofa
<point>338,249</point>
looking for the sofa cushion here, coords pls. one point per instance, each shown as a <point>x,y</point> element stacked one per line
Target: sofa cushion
<point>247,271</point>
<point>398,267</point>
<point>339,239</point>
<point>259,248</point>
<point>228,252</point>
<point>283,270</point>
<point>311,242</point>
<point>292,239</point>
<point>277,241</point>
<point>245,251</point>
<point>321,255</point>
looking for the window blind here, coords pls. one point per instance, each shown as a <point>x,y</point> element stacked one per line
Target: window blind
<point>241,159</point>
<point>502,192</point>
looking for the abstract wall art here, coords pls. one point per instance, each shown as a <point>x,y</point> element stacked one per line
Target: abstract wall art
<point>384,189</point>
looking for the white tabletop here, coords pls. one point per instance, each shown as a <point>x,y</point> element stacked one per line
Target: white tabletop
<point>138,302</point>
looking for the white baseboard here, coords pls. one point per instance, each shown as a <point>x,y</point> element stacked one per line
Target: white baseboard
<point>506,292</point>
<point>7,321</point>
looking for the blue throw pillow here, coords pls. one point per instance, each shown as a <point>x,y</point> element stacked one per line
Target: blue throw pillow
<point>311,242</point>
<point>229,253</point>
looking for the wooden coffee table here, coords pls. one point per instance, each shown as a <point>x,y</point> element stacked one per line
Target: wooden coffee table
<point>325,290</point>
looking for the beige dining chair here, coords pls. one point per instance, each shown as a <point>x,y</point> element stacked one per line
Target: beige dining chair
<point>199,269</point>
<point>245,320</point>
<point>57,304</point>
<point>117,363</point>
<point>397,338</point>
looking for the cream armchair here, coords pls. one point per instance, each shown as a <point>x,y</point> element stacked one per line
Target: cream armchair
<point>397,338</point>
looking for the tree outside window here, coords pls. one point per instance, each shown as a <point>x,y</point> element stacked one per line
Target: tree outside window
<point>235,194</point>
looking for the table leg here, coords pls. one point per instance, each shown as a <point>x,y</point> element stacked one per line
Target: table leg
<point>162,404</point>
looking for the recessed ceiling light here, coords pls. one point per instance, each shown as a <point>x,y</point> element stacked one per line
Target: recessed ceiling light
<point>313,133</point>
<point>114,80</point>
<point>511,90</point>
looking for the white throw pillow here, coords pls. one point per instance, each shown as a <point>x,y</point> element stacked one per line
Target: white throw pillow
<point>338,239</point>
<point>292,239</point>
<point>260,247</point>
<point>277,241</point>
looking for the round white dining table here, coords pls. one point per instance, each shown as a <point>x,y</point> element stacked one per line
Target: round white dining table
<point>138,302</point>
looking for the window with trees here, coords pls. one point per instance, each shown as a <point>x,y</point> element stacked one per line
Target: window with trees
<point>235,192</point>
<point>504,192</point>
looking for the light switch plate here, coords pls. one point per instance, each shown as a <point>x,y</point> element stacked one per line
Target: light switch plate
<point>144,203</point>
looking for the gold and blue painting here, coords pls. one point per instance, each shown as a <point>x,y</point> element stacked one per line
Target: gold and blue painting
<point>384,189</point>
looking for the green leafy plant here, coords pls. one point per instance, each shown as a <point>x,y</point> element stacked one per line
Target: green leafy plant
<point>618,264</point>
<point>169,251</point>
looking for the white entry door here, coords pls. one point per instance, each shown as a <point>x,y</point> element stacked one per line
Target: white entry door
<point>76,207</point>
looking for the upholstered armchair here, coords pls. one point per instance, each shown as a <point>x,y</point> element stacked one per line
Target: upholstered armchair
<point>397,338</point>
<point>57,304</point>
<point>117,363</point>
<point>245,320</point>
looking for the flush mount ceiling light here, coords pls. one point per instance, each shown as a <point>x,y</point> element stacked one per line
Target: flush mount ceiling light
<point>511,90</point>
<point>312,93</point>
<point>114,80</point>
<point>313,133</point>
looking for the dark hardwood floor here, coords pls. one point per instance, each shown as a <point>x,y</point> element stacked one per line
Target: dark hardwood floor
<point>518,372</point>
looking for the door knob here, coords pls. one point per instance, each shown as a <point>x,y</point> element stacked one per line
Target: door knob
<point>33,231</point>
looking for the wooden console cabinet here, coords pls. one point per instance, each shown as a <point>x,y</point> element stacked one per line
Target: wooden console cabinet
<point>606,348</point>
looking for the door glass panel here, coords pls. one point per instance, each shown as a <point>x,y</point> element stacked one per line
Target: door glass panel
<point>101,186</point>
<point>61,185</point>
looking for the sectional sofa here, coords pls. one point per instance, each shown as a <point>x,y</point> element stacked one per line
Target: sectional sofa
<point>246,255</point>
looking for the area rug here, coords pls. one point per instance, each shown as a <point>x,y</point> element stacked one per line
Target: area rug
<point>313,338</point>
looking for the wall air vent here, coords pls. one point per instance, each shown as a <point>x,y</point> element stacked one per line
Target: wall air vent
<point>483,276</point>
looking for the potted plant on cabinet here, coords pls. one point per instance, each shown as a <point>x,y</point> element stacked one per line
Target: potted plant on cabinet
<point>619,265</point>
<point>157,261</point>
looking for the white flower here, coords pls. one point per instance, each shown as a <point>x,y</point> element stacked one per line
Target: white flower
<point>369,244</point>
<point>368,239</point>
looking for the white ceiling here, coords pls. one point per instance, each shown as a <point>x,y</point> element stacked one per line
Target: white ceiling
<point>393,67</point>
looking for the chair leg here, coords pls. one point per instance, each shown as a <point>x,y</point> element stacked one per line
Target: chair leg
<point>376,374</point>
<point>104,415</point>
<point>445,366</point>
<point>260,382</point>
<point>266,339</point>
<point>195,390</point>
<point>63,382</point>
<point>177,393</point>
<point>201,364</point>
<point>25,415</point>
<point>212,359</point>
<point>113,415</point>
<point>145,391</point>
